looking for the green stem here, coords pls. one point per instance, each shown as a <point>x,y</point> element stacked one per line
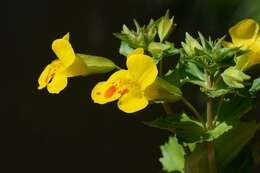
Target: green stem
<point>161,67</point>
<point>167,109</point>
<point>209,114</point>
<point>218,110</point>
<point>166,106</point>
<point>210,126</point>
<point>193,109</point>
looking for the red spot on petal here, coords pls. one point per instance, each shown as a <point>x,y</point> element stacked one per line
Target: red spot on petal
<point>124,91</point>
<point>110,91</point>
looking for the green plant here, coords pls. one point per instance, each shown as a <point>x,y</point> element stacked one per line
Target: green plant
<point>207,141</point>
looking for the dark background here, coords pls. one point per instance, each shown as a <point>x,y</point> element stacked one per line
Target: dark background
<point>68,132</point>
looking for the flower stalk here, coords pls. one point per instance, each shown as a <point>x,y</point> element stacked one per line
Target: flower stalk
<point>210,126</point>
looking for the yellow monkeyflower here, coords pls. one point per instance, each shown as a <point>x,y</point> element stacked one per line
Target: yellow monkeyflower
<point>55,75</point>
<point>246,35</point>
<point>128,85</point>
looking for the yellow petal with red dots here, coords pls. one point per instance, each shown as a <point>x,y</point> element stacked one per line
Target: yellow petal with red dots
<point>104,92</point>
<point>244,33</point>
<point>64,51</point>
<point>111,89</point>
<point>132,102</point>
<point>48,73</point>
<point>142,68</point>
<point>58,83</point>
<point>45,77</point>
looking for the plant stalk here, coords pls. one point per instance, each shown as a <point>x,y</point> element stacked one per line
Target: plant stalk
<point>194,110</point>
<point>210,126</point>
<point>166,106</point>
<point>167,109</point>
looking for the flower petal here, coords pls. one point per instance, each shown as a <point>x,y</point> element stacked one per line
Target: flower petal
<point>255,47</point>
<point>104,92</point>
<point>58,83</point>
<point>48,73</point>
<point>132,102</point>
<point>142,68</point>
<point>111,89</point>
<point>244,32</point>
<point>64,51</point>
<point>227,44</point>
<point>119,75</point>
<point>77,68</point>
<point>137,51</point>
<point>66,36</point>
<point>45,77</point>
<point>247,60</point>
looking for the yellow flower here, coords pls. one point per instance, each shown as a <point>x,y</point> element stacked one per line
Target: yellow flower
<point>128,85</point>
<point>246,35</point>
<point>55,75</point>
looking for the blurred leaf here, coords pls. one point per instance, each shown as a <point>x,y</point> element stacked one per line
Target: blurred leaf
<point>185,128</point>
<point>125,49</point>
<point>234,77</point>
<point>186,72</point>
<point>233,108</point>
<point>162,50</point>
<point>255,86</point>
<point>218,92</point>
<point>231,143</point>
<point>219,130</point>
<point>176,76</point>
<point>197,161</point>
<point>219,88</point>
<point>97,64</point>
<point>165,26</point>
<point>140,38</point>
<point>172,156</point>
<point>256,152</point>
<point>243,163</point>
<point>194,75</point>
<point>161,90</point>
<point>190,45</point>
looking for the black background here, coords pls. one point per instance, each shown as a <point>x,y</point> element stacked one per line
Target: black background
<point>68,132</point>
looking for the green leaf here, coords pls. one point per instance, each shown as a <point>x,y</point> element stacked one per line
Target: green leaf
<point>190,45</point>
<point>197,161</point>
<point>161,90</point>
<point>219,130</point>
<point>234,78</point>
<point>161,50</point>
<point>233,108</point>
<point>125,49</point>
<point>165,27</point>
<point>176,76</point>
<point>219,88</point>
<point>218,92</point>
<point>172,156</point>
<point>194,75</point>
<point>186,129</point>
<point>255,86</point>
<point>141,37</point>
<point>186,72</point>
<point>97,64</point>
<point>242,163</point>
<point>256,152</point>
<point>231,143</point>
